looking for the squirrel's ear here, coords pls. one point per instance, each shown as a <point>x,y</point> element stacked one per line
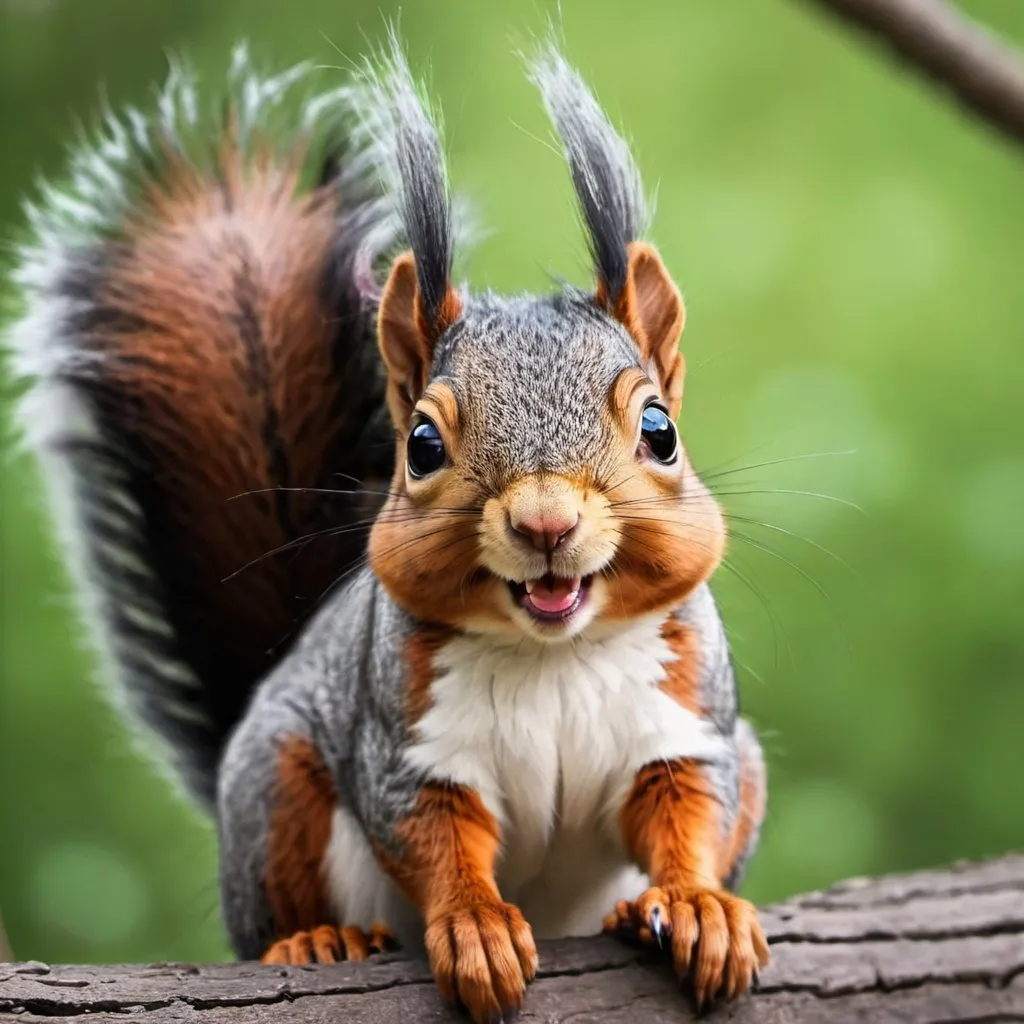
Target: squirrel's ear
<point>651,308</point>
<point>407,335</point>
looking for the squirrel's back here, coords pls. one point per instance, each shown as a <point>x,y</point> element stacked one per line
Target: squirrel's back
<point>208,400</point>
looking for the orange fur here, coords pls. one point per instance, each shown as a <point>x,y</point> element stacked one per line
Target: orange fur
<point>481,950</point>
<point>420,649</point>
<point>670,530</point>
<point>682,676</point>
<point>753,799</point>
<point>673,827</point>
<point>328,944</point>
<point>666,548</point>
<point>407,338</point>
<point>682,684</point>
<point>628,387</point>
<point>304,800</point>
<point>449,844</point>
<point>623,309</point>
<point>651,308</point>
<point>403,345</point>
<point>426,556</point>
<point>440,404</point>
<point>449,311</point>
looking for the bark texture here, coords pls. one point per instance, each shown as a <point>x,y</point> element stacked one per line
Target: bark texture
<point>932,947</point>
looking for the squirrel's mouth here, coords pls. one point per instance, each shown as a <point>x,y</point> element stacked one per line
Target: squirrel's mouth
<point>551,599</point>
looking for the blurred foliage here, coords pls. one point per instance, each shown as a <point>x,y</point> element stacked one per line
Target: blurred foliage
<point>851,249</point>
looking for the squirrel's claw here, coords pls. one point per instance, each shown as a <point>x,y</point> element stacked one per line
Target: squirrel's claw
<point>716,942</point>
<point>654,923</point>
<point>328,944</point>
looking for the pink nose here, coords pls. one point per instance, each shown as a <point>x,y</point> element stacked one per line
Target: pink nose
<point>547,530</point>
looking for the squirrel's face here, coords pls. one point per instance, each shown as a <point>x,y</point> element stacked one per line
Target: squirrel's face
<point>541,487</point>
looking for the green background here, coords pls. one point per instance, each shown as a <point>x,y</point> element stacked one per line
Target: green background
<point>851,248</point>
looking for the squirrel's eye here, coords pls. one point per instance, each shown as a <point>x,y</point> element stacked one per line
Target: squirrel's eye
<point>658,434</point>
<point>425,452</point>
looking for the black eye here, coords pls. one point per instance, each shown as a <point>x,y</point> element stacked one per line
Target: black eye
<point>658,433</point>
<point>425,452</point>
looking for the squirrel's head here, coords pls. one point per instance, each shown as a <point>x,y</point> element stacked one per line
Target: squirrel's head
<point>541,487</point>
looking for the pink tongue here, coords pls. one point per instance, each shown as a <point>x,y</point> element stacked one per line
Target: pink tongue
<point>553,594</point>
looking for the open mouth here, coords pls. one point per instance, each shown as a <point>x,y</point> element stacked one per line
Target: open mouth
<point>552,598</point>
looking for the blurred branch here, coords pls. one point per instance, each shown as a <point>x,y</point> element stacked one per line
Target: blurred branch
<point>986,75</point>
<point>6,956</point>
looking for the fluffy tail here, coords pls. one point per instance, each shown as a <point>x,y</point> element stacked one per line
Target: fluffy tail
<point>207,397</point>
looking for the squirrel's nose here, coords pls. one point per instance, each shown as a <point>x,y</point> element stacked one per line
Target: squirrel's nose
<point>547,530</point>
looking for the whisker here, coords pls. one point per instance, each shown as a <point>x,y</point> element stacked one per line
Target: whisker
<point>341,530</point>
<point>787,490</point>
<point>729,564</point>
<point>330,491</point>
<point>681,499</point>
<point>782,558</point>
<point>286,546</point>
<point>796,536</point>
<point>714,475</point>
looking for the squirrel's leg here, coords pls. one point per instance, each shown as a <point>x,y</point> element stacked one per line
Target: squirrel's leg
<point>481,950</point>
<point>692,843</point>
<point>278,811</point>
<point>753,797</point>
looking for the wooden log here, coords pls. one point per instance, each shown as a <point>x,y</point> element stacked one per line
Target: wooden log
<point>933,946</point>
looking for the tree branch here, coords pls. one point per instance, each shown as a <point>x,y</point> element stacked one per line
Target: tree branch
<point>986,75</point>
<point>940,945</point>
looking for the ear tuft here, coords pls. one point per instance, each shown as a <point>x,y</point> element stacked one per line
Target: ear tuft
<point>604,175</point>
<point>633,285</point>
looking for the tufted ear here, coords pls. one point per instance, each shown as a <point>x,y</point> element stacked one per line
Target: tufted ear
<point>651,308</point>
<point>633,284</point>
<point>404,151</point>
<point>407,333</point>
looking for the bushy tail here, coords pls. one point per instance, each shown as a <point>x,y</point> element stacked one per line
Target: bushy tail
<point>207,397</point>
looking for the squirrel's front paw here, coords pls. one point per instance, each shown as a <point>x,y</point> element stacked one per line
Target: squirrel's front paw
<point>329,944</point>
<point>483,955</point>
<point>715,937</point>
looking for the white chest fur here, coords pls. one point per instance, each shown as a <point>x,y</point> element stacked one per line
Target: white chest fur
<point>551,737</point>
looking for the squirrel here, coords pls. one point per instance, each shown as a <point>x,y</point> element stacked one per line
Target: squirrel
<point>409,582</point>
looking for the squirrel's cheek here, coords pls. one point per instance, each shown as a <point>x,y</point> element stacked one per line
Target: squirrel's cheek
<point>650,578</point>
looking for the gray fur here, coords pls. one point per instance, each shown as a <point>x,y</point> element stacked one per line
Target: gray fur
<point>342,688</point>
<point>718,681</point>
<point>604,174</point>
<point>719,699</point>
<point>532,374</point>
<point>406,142</point>
<point>750,757</point>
